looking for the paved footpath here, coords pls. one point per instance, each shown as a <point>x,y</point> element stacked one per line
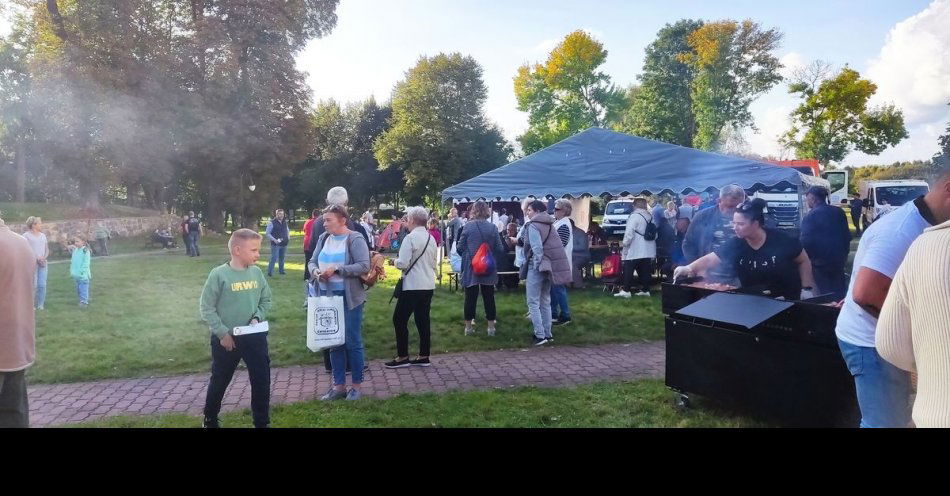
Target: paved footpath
<point>544,367</point>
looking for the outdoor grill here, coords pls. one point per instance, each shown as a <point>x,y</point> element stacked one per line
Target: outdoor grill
<point>772,359</point>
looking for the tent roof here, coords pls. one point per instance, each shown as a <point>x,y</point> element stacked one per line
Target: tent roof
<point>596,162</point>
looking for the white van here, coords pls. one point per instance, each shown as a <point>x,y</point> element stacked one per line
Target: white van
<point>615,216</point>
<point>880,197</point>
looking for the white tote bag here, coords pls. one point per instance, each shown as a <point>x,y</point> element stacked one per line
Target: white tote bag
<point>326,327</point>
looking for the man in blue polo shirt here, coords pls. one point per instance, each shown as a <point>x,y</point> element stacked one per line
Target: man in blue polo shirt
<point>884,390</point>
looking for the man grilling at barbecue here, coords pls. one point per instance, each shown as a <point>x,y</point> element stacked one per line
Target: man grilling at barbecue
<point>761,256</point>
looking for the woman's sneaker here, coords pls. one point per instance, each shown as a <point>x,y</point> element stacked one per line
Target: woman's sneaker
<point>469,330</point>
<point>422,362</point>
<point>353,395</point>
<point>333,395</point>
<point>398,364</point>
<point>539,341</point>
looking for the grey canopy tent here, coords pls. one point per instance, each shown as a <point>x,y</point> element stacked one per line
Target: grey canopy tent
<point>598,162</point>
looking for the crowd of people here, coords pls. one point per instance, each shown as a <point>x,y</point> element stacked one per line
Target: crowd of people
<point>893,319</point>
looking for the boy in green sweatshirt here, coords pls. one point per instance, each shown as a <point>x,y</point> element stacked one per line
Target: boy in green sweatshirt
<point>236,294</point>
<point>80,269</point>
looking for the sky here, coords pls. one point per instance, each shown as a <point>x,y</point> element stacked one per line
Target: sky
<point>901,45</point>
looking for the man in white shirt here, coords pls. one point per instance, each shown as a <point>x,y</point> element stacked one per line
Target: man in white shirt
<point>637,252</point>
<point>883,390</point>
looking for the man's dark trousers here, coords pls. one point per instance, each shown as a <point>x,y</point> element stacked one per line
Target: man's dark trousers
<point>14,407</point>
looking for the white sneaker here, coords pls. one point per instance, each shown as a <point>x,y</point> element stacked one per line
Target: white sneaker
<point>622,294</point>
<point>642,293</point>
<point>469,330</point>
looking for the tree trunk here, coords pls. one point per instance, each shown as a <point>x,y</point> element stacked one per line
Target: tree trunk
<point>214,216</point>
<point>20,159</point>
<point>131,191</point>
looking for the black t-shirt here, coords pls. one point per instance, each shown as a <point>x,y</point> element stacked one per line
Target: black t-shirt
<point>772,265</point>
<point>194,225</point>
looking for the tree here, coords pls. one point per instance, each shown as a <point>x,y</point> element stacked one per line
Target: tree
<point>833,118</point>
<point>439,133</point>
<point>662,107</point>
<point>343,156</point>
<point>732,64</point>
<point>567,93</point>
<point>942,158</point>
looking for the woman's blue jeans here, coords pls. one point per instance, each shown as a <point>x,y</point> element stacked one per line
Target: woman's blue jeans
<point>39,297</point>
<point>352,350</point>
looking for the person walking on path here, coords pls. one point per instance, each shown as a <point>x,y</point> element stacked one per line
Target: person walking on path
<point>477,231</point>
<point>279,235</point>
<point>17,326</point>
<point>827,240</point>
<point>711,228</point>
<point>637,252</point>
<point>913,332</point>
<point>236,294</point>
<point>417,258</point>
<point>80,269</point>
<point>340,259</point>
<point>40,248</point>
<point>193,225</point>
<point>545,264</point>
<point>102,239</point>
<point>560,308</point>
<point>883,390</point>
<point>857,207</point>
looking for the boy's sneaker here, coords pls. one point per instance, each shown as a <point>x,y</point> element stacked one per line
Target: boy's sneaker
<point>353,395</point>
<point>491,331</point>
<point>622,294</point>
<point>560,322</point>
<point>643,293</point>
<point>333,395</point>
<point>209,423</point>
<point>422,362</point>
<point>539,341</point>
<point>398,364</point>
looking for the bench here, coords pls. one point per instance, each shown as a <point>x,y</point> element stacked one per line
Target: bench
<point>454,278</point>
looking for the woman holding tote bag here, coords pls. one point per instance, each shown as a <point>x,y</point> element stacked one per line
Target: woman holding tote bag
<point>340,259</point>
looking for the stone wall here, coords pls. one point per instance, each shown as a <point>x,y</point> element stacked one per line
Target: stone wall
<point>60,231</point>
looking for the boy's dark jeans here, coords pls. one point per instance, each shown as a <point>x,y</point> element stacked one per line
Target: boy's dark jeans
<point>253,350</point>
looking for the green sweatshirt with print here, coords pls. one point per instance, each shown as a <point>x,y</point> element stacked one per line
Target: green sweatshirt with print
<point>231,298</point>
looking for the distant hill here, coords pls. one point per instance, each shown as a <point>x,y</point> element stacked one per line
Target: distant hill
<point>19,212</point>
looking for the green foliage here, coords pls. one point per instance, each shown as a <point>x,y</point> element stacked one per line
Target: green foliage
<point>343,156</point>
<point>439,134</point>
<point>732,64</point>
<point>171,97</point>
<point>567,93</point>
<point>942,158</point>
<point>833,118</point>
<point>661,108</point>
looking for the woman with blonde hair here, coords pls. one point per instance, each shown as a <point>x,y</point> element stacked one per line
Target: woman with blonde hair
<point>40,248</point>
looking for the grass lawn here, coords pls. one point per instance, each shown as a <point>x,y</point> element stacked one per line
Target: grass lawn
<point>143,319</point>
<point>626,404</point>
<point>19,212</point>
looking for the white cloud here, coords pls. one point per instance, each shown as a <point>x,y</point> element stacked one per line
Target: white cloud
<point>544,47</point>
<point>913,68</point>
<point>772,123</point>
<point>792,62</point>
